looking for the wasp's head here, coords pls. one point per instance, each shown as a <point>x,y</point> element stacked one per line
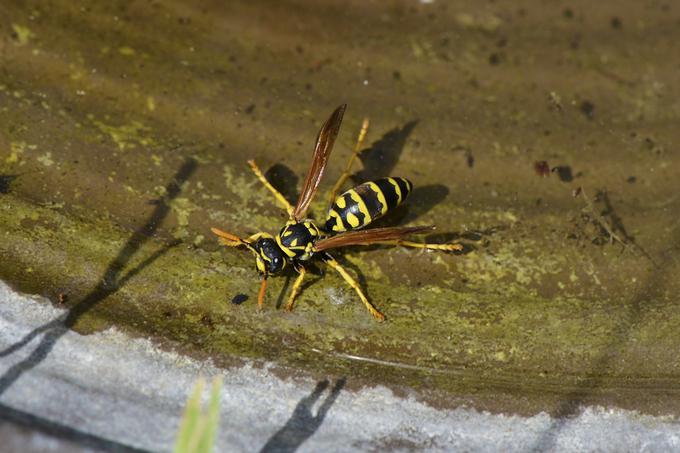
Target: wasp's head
<point>270,258</point>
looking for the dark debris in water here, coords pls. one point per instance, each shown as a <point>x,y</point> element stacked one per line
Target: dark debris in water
<point>239,299</point>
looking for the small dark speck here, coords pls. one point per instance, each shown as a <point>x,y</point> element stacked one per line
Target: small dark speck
<point>207,321</point>
<point>575,42</point>
<point>495,58</point>
<point>541,168</point>
<point>588,109</point>
<point>396,75</point>
<point>568,13</point>
<point>564,173</point>
<point>616,23</point>
<point>469,159</point>
<point>631,179</point>
<point>6,182</point>
<point>308,86</point>
<point>239,299</point>
<point>250,109</point>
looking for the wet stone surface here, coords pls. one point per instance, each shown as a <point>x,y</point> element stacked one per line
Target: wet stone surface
<point>125,131</point>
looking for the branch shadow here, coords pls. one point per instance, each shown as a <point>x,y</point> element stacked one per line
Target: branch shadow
<point>302,424</point>
<point>59,431</point>
<point>110,283</point>
<point>643,301</point>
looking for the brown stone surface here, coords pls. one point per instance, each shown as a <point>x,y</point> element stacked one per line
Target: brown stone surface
<point>558,300</point>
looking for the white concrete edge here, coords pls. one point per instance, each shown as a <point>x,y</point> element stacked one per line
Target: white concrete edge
<point>129,391</point>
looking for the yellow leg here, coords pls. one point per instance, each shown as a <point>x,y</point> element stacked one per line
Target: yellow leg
<point>450,247</point>
<point>254,237</point>
<point>348,278</point>
<point>347,172</point>
<point>296,288</point>
<point>272,189</point>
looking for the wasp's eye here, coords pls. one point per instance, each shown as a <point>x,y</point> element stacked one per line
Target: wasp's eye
<point>276,264</point>
<point>271,255</point>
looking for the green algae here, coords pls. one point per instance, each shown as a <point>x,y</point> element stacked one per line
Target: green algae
<point>16,150</point>
<point>23,34</point>
<point>184,297</point>
<point>126,136</point>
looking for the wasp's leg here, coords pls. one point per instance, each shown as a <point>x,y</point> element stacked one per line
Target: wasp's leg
<point>345,174</point>
<point>272,189</point>
<point>263,290</point>
<point>449,247</point>
<point>254,237</point>
<point>348,278</point>
<point>296,287</point>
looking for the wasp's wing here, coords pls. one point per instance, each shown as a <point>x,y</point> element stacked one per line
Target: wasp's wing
<point>322,150</point>
<point>365,237</point>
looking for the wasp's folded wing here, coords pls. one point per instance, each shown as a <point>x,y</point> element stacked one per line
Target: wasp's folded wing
<point>322,151</point>
<point>373,236</point>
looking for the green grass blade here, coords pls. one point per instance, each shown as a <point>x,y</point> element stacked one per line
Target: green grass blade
<point>190,420</point>
<point>198,430</point>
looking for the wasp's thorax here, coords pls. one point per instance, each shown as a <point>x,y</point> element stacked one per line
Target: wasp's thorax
<point>296,239</point>
<point>270,258</point>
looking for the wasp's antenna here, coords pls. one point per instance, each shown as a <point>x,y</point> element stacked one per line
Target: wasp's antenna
<point>231,240</point>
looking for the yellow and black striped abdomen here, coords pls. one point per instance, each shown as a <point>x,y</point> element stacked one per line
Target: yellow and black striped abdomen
<point>365,203</point>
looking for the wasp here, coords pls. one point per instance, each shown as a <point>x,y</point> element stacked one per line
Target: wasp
<point>301,238</point>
